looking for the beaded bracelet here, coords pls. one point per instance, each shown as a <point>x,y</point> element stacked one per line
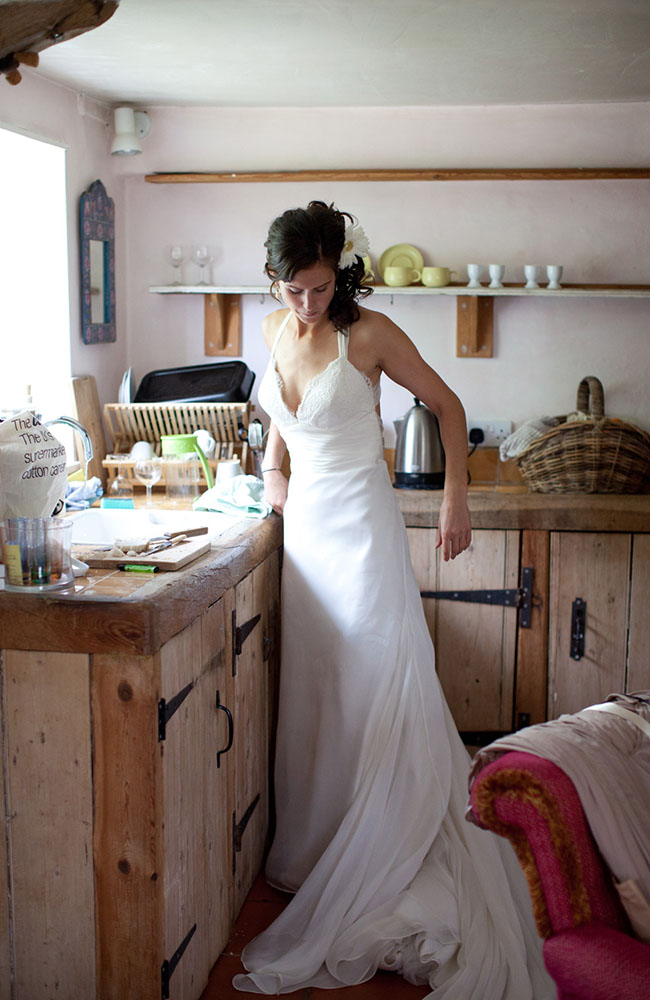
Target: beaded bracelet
<point>275,468</point>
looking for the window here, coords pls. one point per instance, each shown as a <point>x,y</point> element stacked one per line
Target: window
<point>34,292</point>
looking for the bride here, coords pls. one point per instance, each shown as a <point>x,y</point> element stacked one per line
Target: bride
<point>370,773</point>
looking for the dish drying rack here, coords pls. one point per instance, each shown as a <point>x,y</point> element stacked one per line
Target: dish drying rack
<point>130,422</point>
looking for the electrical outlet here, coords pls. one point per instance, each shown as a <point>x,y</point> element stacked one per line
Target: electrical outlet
<point>494,431</point>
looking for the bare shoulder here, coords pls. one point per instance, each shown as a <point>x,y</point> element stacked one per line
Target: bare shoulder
<point>271,325</point>
<point>376,333</point>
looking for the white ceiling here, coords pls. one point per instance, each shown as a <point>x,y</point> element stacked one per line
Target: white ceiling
<point>329,53</point>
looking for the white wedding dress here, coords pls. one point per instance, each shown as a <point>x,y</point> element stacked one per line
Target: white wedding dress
<point>370,773</point>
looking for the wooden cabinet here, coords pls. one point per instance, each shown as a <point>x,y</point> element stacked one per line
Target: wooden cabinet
<point>474,642</point>
<point>501,669</point>
<point>133,831</point>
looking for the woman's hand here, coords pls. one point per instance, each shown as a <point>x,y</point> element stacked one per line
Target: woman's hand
<point>454,527</point>
<point>275,489</point>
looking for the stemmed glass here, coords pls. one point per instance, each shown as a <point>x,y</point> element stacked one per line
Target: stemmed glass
<point>201,256</point>
<point>148,471</point>
<point>176,255</point>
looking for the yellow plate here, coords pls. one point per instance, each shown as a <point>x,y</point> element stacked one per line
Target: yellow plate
<point>401,255</point>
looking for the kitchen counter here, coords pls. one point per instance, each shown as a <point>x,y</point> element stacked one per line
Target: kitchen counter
<point>514,508</point>
<point>114,612</point>
<point>111,612</point>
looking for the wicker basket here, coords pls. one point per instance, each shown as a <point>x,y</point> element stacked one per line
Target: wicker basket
<point>589,453</point>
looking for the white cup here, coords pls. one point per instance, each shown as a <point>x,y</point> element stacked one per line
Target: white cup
<point>141,450</point>
<point>496,272</point>
<point>206,443</point>
<point>228,468</point>
<point>554,273</point>
<point>532,274</point>
<point>474,272</point>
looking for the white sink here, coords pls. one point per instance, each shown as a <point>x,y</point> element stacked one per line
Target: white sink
<point>102,525</point>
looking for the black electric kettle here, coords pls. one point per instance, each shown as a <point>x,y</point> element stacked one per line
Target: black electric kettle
<point>419,455</point>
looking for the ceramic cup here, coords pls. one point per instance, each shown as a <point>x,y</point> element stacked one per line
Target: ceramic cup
<point>227,469</point>
<point>474,272</point>
<point>532,274</point>
<point>554,273</point>
<point>206,443</point>
<point>437,277</point>
<point>400,276</point>
<point>141,449</point>
<point>496,272</point>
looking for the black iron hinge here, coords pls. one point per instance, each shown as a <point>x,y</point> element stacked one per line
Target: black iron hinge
<point>239,635</point>
<point>238,830</point>
<point>167,708</point>
<point>578,628</point>
<point>518,597</point>
<point>169,965</point>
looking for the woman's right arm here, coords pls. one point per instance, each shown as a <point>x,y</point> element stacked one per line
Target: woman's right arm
<point>275,483</point>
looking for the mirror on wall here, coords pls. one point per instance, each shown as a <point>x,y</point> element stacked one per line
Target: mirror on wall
<point>97,265</point>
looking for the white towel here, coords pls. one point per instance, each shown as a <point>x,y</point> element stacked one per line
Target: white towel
<point>524,436</point>
<point>239,495</point>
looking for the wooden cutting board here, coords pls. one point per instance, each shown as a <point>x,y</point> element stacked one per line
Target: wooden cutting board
<point>168,559</point>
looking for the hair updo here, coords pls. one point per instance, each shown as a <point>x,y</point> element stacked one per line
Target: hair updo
<point>302,237</point>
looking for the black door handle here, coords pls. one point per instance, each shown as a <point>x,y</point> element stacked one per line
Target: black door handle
<point>231,729</point>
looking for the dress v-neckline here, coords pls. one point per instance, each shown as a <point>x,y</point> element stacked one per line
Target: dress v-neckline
<point>314,378</point>
<point>340,340</point>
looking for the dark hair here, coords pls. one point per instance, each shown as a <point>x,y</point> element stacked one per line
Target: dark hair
<point>302,237</point>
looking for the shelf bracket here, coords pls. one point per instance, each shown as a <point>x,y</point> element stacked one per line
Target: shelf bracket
<point>222,320</point>
<point>474,326</point>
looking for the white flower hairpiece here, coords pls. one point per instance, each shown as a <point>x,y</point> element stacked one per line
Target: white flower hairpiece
<point>355,245</point>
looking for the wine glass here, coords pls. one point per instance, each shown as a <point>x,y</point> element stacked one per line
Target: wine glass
<point>176,254</point>
<point>201,256</point>
<point>148,471</point>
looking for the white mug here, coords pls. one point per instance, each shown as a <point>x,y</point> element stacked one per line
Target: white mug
<point>496,272</point>
<point>141,450</point>
<point>474,272</point>
<point>206,443</point>
<point>228,468</point>
<point>532,274</point>
<point>554,273</point>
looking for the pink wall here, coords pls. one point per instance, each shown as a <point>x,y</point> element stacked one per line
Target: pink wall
<point>599,231</point>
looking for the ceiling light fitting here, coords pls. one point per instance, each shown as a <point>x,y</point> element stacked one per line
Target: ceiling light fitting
<point>130,127</point>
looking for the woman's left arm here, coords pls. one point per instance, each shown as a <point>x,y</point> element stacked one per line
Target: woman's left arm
<point>400,359</point>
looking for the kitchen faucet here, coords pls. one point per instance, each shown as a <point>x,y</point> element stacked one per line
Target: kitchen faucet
<point>83,433</point>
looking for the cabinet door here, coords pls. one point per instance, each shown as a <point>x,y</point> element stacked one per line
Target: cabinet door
<point>474,643</point>
<point>250,802</point>
<point>594,567</point>
<point>196,831</point>
<point>638,676</point>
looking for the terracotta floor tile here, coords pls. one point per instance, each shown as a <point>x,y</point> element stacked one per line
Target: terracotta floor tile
<point>261,890</point>
<point>254,918</point>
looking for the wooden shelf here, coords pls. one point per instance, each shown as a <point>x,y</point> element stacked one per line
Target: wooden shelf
<point>474,310</point>
<point>566,291</point>
<point>426,174</point>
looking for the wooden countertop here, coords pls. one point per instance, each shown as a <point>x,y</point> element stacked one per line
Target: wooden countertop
<point>113,612</point>
<point>516,508</point>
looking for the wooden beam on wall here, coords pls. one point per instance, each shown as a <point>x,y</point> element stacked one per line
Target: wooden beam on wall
<point>427,174</point>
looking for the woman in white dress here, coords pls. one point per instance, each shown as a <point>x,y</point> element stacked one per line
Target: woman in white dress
<point>370,773</point>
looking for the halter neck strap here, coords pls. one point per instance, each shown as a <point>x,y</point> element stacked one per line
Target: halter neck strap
<point>280,332</point>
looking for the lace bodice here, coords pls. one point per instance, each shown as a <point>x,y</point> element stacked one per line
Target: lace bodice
<point>334,396</point>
